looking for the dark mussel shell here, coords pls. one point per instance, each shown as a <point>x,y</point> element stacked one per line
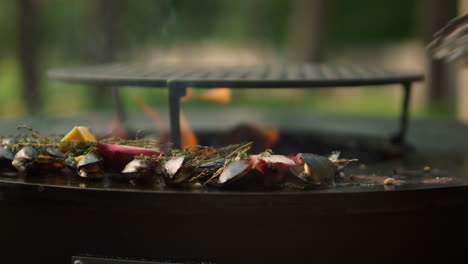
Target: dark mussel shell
<point>316,170</point>
<point>6,157</point>
<point>234,171</point>
<point>25,158</point>
<point>90,166</point>
<point>176,172</point>
<point>71,163</point>
<point>50,159</point>
<point>140,171</point>
<point>212,164</point>
<point>53,152</point>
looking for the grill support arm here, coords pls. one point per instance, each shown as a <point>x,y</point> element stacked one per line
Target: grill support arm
<point>175,94</point>
<point>400,136</point>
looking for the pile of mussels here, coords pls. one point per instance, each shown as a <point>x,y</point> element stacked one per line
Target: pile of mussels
<point>147,166</point>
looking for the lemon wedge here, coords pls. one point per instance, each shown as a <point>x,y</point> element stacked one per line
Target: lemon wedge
<point>81,134</point>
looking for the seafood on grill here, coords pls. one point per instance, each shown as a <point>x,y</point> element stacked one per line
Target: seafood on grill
<point>6,157</point>
<point>25,159</point>
<point>36,161</point>
<point>314,170</point>
<point>317,170</point>
<point>234,172</point>
<point>303,170</point>
<point>90,166</point>
<point>140,171</point>
<point>177,170</point>
<point>230,167</point>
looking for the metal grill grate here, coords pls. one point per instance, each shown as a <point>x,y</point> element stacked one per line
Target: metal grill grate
<point>177,78</point>
<point>271,76</point>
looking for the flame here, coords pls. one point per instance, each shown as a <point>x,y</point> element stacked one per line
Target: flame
<point>271,135</point>
<point>263,137</point>
<point>218,95</point>
<point>187,135</point>
<point>154,114</point>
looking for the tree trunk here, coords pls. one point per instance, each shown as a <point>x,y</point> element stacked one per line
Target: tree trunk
<point>28,52</point>
<point>308,27</point>
<point>440,79</point>
<point>103,43</point>
<point>462,73</point>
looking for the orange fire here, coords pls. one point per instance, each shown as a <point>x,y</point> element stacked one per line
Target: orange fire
<point>188,137</point>
<point>218,95</point>
<point>264,137</point>
<point>271,135</point>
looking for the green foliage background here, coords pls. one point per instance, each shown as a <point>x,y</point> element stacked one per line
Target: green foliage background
<point>67,39</point>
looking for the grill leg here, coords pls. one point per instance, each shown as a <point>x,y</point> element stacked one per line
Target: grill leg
<point>400,136</point>
<point>175,93</point>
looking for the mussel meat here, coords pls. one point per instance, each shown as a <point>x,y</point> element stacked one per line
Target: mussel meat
<point>50,159</point>
<point>90,166</point>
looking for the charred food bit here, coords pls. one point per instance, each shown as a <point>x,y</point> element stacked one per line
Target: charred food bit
<point>90,166</point>
<point>176,171</point>
<point>138,170</point>
<point>25,159</point>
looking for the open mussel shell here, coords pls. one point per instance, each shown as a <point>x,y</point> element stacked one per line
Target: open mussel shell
<point>139,170</point>
<point>71,163</point>
<point>53,152</point>
<point>50,159</point>
<point>90,166</point>
<point>234,171</point>
<point>176,171</point>
<point>25,158</point>
<point>212,164</point>
<point>316,170</point>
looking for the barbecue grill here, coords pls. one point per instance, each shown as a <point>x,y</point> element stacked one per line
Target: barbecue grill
<point>60,218</point>
<point>176,79</point>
